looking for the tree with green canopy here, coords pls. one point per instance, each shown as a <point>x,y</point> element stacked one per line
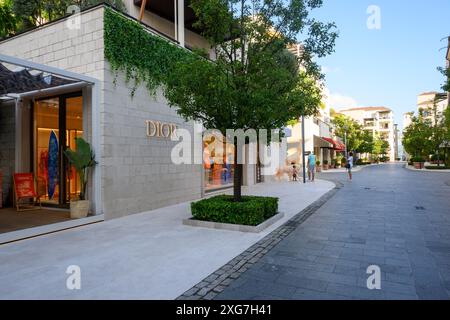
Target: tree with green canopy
<point>417,137</point>
<point>254,81</point>
<point>8,21</point>
<point>349,128</point>
<point>31,13</point>
<point>367,142</point>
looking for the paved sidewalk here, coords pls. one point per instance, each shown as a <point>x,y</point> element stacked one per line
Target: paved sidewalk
<point>150,255</point>
<point>341,170</point>
<point>356,168</point>
<point>387,216</point>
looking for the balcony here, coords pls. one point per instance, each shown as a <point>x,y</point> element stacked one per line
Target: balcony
<point>166,9</point>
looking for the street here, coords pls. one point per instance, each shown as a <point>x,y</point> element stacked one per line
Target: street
<point>388,216</point>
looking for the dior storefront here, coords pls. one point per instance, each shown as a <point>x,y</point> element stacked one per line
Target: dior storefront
<point>56,85</point>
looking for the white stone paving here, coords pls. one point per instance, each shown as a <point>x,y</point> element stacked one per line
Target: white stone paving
<point>150,255</point>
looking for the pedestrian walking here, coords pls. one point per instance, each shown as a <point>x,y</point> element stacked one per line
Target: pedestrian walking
<point>311,166</point>
<point>349,165</point>
<point>294,172</point>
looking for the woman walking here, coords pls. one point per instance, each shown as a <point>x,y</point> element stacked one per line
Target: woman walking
<point>349,165</point>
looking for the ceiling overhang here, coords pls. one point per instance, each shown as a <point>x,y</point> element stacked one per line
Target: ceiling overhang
<point>166,10</point>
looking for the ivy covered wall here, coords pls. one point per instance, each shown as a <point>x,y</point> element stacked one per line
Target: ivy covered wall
<point>143,57</point>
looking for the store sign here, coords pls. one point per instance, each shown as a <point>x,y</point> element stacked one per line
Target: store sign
<point>158,129</point>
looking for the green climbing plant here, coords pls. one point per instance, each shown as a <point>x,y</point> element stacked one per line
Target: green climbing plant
<point>143,57</point>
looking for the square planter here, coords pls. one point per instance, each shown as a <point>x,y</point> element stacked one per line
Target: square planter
<point>418,165</point>
<point>234,227</point>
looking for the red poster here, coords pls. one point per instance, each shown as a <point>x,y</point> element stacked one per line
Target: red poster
<point>24,185</point>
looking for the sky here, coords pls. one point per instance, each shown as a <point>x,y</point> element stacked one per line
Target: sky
<point>391,65</point>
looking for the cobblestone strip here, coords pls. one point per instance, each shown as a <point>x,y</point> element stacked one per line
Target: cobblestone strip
<point>216,282</point>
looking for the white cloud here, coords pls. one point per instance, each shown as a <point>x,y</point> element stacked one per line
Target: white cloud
<point>328,70</point>
<point>339,101</point>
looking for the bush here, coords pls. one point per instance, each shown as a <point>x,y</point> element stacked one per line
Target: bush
<point>417,159</point>
<point>343,161</point>
<point>361,162</point>
<point>251,210</point>
<point>325,162</point>
<point>437,167</point>
<point>434,158</point>
<point>317,163</point>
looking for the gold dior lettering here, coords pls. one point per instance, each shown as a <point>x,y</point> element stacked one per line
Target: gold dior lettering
<point>160,129</point>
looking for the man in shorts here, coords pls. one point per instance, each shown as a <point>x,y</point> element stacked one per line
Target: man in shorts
<point>311,166</point>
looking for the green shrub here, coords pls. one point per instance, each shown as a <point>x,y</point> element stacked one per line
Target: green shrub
<point>325,162</point>
<point>435,157</point>
<point>437,167</point>
<point>362,162</point>
<point>251,210</point>
<point>317,163</point>
<point>417,159</point>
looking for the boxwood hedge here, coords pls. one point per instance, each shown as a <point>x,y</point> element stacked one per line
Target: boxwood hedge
<point>252,210</point>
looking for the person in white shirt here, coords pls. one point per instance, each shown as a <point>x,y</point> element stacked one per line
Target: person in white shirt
<point>350,165</point>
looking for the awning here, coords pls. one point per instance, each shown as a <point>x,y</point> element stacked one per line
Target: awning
<point>322,143</point>
<point>338,146</point>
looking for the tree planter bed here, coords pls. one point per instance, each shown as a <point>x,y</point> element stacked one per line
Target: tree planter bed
<point>251,214</point>
<point>234,227</point>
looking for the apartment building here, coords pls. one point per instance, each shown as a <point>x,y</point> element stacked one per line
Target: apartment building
<point>379,121</point>
<point>319,138</point>
<point>426,102</point>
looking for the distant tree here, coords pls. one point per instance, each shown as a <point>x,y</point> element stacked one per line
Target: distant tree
<point>349,128</point>
<point>31,13</point>
<point>446,125</point>
<point>8,22</point>
<point>438,129</point>
<point>417,137</point>
<point>446,73</point>
<point>367,143</point>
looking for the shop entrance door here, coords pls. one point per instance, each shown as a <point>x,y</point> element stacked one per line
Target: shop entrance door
<point>57,122</point>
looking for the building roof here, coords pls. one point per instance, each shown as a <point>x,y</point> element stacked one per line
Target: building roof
<point>365,109</point>
<point>428,93</point>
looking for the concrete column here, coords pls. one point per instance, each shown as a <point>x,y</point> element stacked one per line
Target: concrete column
<point>180,24</point>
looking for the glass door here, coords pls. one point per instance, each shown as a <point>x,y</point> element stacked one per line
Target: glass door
<point>74,129</point>
<point>57,122</point>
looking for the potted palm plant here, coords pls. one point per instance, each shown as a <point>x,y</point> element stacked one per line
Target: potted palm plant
<point>318,166</point>
<point>83,159</point>
<point>418,162</point>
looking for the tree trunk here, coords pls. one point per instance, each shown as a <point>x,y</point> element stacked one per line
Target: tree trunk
<point>237,179</point>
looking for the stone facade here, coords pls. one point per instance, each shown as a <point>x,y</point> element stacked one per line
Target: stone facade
<point>137,172</point>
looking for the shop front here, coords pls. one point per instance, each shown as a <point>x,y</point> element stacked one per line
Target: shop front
<point>42,111</point>
<point>57,121</point>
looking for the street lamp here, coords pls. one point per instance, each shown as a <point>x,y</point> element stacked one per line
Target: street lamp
<point>303,149</point>
<point>345,140</point>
